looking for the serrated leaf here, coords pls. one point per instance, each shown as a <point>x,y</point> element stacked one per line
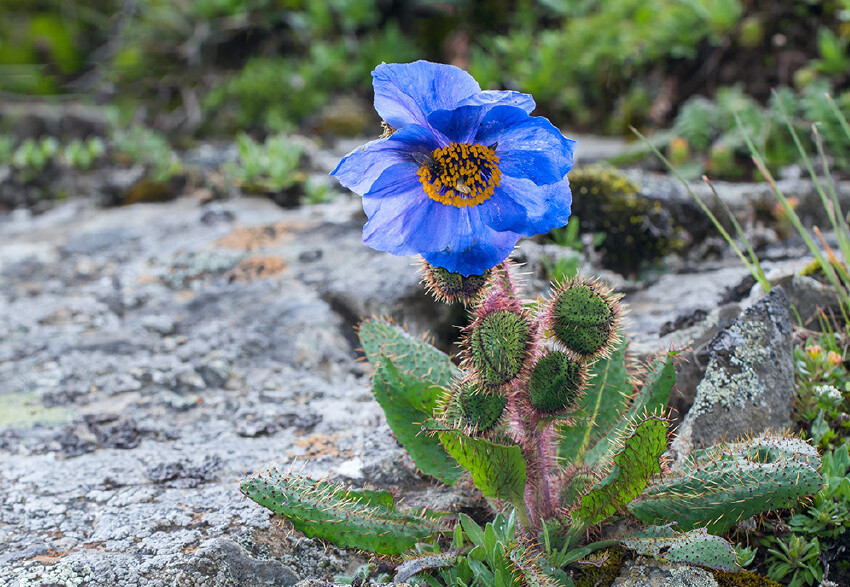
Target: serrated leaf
<point>407,402</point>
<point>497,470</point>
<point>652,398</point>
<point>347,518</point>
<point>410,355</point>
<point>696,547</point>
<point>607,397</point>
<point>634,464</point>
<point>425,562</point>
<point>718,487</point>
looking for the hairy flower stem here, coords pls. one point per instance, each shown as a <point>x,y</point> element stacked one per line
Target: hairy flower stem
<point>540,462</point>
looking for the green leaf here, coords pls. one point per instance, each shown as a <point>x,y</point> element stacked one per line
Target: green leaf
<point>412,566</point>
<point>696,547</point>
<point>652,398</point>
<point>636,462</point>
<point>347,518</point>
<point>410,355</point>
<point>473,530</point>
<point>497,470</point>
<point>720,486</point>
<point>408,401</point>
<point>607,397</point>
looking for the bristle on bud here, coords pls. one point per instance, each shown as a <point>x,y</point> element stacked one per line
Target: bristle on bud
<point>584,316</point>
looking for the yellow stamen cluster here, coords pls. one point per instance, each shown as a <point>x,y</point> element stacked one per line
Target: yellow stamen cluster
<point>460,174</point>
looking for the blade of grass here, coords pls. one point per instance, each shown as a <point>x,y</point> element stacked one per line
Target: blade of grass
<point>839,115</point>
<point>753,265</point>
<point>841,232</point>
<point>825,265</point>
<point>737,226</point>
<point>830,210</point>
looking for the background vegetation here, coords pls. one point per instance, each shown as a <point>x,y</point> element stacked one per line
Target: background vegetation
<point>215,66</point>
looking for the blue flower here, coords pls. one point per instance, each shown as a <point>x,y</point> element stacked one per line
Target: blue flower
<point>464,174</point>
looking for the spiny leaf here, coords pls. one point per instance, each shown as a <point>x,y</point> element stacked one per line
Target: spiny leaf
<point>407,402</point>
<point>411,355</point>
<point>653,397</point>
<point>497,470</point>
<point>347,518</point>
<point>426,562</point>
<point>696,547</point>
<point>718,487</point>
<point>606,399</point>
<point>530,567</point>
<point>636,462</point>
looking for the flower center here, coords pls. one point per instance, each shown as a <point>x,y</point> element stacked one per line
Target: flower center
<point>460,174</point>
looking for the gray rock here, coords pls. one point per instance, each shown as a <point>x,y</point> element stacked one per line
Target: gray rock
<point>646,572</point>
<point>809,297</point>
<point>749,383</point>
<point>223,562</point>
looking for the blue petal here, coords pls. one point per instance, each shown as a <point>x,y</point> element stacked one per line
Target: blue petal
<point>486,250</point>
<point>406,93</point>
<point>503,213</point>
<point>361,167</point>
<point>529,146</point>
<point>546,206</point>
<point>458,124</point>
<point>409,223</point>
<point>500,98</point>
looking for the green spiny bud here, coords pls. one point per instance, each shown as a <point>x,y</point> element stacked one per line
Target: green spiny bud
<point>481,410</point>
<point>556,383</point>
<point>450,287</point>
<point>584,317</point>
<point>499,346</point>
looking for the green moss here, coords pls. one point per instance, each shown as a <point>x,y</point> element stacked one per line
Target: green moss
<point>605,574</point>
<point>742,579</point>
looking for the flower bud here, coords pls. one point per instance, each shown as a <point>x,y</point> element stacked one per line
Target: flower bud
<point>498,346</point>
<point>584,317</point>
<point>450,287</point>
<point>556,383</point>
<point>482,411</point>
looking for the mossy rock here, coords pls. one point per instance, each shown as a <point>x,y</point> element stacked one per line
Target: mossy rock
<point>638,231</point>
<point>610,565</point>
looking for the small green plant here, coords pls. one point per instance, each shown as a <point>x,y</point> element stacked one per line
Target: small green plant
<point>138,144</point>
<point>32,156</point>
<point>82,155</point>
<point>796,559</point>
<point>709,130</point>
<point>823,391</point>
<point>272,166</point>
<point>7,147</point>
